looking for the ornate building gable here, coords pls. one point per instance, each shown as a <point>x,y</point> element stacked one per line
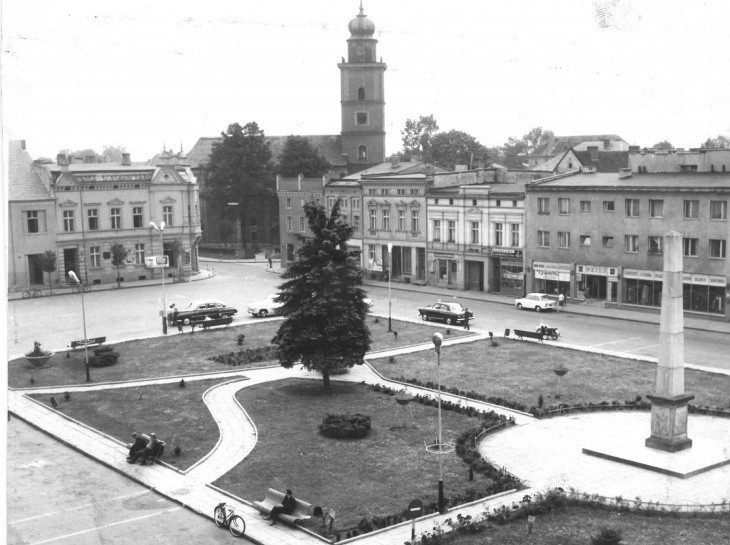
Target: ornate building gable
<point>68,203</point>
<point>115,202</point>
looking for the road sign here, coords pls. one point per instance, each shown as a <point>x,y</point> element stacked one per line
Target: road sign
<point>156,262</point>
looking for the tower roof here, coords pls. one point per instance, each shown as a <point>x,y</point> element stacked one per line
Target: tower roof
<point>361,26</point>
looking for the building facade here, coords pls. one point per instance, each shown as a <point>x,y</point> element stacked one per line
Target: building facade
<point>293,193</point>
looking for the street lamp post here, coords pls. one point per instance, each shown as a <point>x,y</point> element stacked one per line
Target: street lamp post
<point>162,270</point>
<point>390,272</point>
<point>437,339</point>
<point>83,317</point>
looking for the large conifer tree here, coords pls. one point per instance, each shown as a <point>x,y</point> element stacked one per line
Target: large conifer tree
<point>325,315</point>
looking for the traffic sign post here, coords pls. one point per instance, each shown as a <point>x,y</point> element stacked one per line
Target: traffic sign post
<point>415,510</point>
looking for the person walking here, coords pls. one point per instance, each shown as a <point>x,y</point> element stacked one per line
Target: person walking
<point>561,302</point>
<point>466,319</point>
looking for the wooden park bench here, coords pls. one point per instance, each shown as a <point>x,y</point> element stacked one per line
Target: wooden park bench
<point>96,341</point>
<point>529,334</point>
<point>302,509</point>
<point>207,324</point>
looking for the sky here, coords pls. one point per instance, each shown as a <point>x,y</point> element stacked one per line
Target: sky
<point>140,75</point>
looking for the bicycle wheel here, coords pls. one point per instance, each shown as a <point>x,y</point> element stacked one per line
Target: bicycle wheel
<point>185,278</point>
<point>75,289</point>
<point>87,287</point>
<point>26,294</point>
<point>37,293</point>
<point>237,526</point>
<point>219,516</point>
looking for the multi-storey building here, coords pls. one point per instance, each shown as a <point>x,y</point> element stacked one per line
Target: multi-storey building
<point>293,193</point>
<point>349,193</point>
<point>600,235</point>
<point>81,209</point>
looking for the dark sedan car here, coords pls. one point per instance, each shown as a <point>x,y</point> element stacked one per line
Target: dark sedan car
<point>198,312</point>
<point>451,313</point>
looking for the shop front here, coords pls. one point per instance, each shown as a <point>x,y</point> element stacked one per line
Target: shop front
<point>551,278</point>
<point>642,288</point>
<point>597,282</point>
<point>508,275</point>
<point>444,269</point>
<point>703,293</point>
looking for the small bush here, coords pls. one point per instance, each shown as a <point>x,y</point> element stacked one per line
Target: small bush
<point>607,536</point>
<point>345,426</point>
<point>178,450</point>
<point>104,356</point>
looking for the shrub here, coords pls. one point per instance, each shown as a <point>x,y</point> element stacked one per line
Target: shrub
<point>607,536</point>
<point>104,356</point>
<point>247,355</point>
<point>345,426</point>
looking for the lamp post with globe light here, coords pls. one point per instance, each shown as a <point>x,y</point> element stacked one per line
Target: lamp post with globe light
<point>438,339</point>
<point>390,271</point>
<point>75,278</point>
<point>162,270</point>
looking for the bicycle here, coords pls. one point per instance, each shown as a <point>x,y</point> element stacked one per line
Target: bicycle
<point>225,516</point>
<point>180,277</point>
<point>32,292</point>
<point>76,288</point>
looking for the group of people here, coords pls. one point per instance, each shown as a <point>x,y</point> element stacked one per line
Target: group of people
<point>144,447</point>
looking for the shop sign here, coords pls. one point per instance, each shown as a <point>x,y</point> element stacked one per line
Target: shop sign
<point>646,275</point>
<point>703,280</point>
<point>552,271</point>
<point>717,281</point>
<point>597,270</point>
<point>511,275</point>
<point>505,252</point>
<point>656,276</point>
<point>631,273</point>
<point>439,255</point>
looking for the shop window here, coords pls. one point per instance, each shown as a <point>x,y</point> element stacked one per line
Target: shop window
<point>655,245</point>
<point>442,269</point>
<point>690,247</point>
<point>717,249</point>
<point>608,206</point>
<point>656,208</point>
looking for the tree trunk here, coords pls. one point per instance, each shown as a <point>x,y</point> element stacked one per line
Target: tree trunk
<point>326,378</point>
<point>50,282</point>
<point>119,283</point>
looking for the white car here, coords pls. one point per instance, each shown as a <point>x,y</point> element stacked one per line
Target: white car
<point>536,301</point>
<point>264,307</point>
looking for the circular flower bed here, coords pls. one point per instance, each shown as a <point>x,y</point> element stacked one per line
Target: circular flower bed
<point>345,426</point>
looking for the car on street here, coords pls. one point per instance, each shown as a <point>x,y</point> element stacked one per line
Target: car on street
<point>451,313</point>
<point>200,310</point>
<point>537,301</point>
<point>264,307</point>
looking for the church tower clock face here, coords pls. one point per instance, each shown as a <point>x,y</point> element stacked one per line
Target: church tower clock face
<point>362,97</point>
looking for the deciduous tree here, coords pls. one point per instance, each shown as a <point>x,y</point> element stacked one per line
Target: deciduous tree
<point>719,141</point>
<point>225,230</point>
<point>457,148</point>
<point>299,157</point>
<point>664,144</point>
<point>48,264</point>
<point>119,255</point>
<point>325,315</point>
<point>417,134</point>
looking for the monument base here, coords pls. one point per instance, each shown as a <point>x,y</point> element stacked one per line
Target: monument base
<point>669,423</point>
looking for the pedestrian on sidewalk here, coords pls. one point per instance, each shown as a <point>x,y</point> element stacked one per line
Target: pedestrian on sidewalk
<point>466,319</point>
<point>561,302</point>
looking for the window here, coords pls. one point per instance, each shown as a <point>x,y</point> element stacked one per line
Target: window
<point>139,254</point>
<point>435,201</point>
<point>632,208</point>
<point>362,153</point>
<point>361,94</point>
<point>473,202</point>
<point>543,239</point>
<point>691,210</point>
<point>498,234</point>
<point>585,240</point>
<point>355,203</point>
<point>515,234</point>
<point>655,245</point>
<point>608,206</point>
<point>95,256</point>
<point>384,191</point>
<point>514,204</point>
<point>451,202</point>
<point>301,224</point>
<point>543,205</point>
<point>385,217</point>
<point>400,191</point>
<point>415,224</point>
<point>499,202</point>
<point>167,215</point>
<point>656,208</point>
<point>563,206</point>
<point>608,242</point>
<point>475,232</point>
<point>361,118</point>
<point>371,252</point>
<point>452,231</point>
<point>437,230</point>
<point>631,243</point>
<point>718,210</point>
<point>288,202</point>
<point>68,220</point>
<point>401,220</point>
<point>585,206</point>
<point>563,239</point>
<point>116,218</point>
<point>93,216</point>
<point>301,203</point>
<point>717,248</point>
<point>414,192</point>
<point>288,224</point>
<point>137,216</point>
<point>690,247</point>
<point>32,221</point>
<point>373,219</point>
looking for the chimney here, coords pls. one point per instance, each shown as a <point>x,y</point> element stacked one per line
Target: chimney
<point>278,178</point>
<point>299,181</point>
<point>126,159</point>
<point>61,160</point>
<point>394,161</point>
<point>624,173</point>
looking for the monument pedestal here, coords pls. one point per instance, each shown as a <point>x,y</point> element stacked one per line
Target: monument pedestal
<point>669,423</point>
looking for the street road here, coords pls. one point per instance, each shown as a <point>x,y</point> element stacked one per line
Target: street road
<point>58,496</point>
<point>133,313</point>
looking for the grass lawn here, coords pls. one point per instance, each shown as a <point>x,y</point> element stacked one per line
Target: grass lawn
<point>187,354</point>
<point>521,371</point>
<point>177,415</point>
<point>377,475</point>
<point>575,525</point>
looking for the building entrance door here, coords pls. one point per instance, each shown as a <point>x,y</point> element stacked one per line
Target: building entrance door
<point>35,272</point>
<point>421,263</point>
<point>71,261</point>
<point>452,273</point>
<point>475,275</point>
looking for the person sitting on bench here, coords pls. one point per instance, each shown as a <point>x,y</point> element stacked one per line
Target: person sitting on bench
<point>152,450</point>
<point>286,507</point>
<point>140,442</point>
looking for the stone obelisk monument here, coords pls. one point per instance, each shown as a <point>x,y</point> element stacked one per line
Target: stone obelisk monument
<point>669,401</point>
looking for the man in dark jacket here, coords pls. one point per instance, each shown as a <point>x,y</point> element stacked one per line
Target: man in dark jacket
<point>138,444</point>
<point>287,507</point>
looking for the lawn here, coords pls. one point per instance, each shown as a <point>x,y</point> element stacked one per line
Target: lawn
<point>522,371</point>
<point>188,353</point>
<point>575,525</point>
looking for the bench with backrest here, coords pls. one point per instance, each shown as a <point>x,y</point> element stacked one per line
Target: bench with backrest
<point>529,334</point>
<point>302,509</point>
<point>207,324</point>
<point>96,341</point>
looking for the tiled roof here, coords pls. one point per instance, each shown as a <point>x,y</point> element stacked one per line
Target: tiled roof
<point>402,167</point>
<point>560,144</point>
<point>24,181</point>
<point>328,146</point>
<point>100,167</point>
<point>651,181</point>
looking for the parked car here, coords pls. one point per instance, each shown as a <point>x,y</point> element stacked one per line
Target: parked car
<point>537,301</point>
<point>199,311</point>
<point>264,307</point>
<point>451,313</point>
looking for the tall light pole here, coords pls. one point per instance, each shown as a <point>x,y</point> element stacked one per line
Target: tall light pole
<point>83,317</point>
<point>390,271</point>
<point>437,339</point>
<point>162,270</point>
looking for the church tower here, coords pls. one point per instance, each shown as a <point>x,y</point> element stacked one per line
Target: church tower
<point>363,97</point>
